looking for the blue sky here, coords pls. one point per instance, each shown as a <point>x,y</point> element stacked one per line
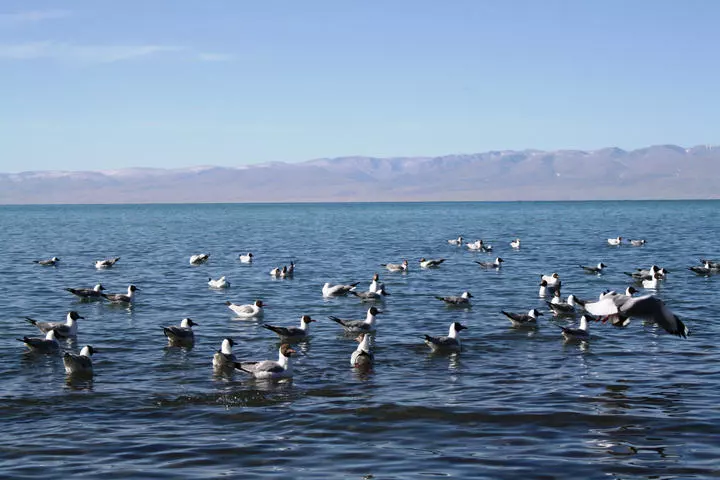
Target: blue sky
<point>101,85</point>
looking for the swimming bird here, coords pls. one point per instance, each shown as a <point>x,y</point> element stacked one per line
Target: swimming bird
<point>182,335</point>
<point>269,369</point>
<point>62,330</point>
<point>713,264</point>
<point>563,308</point>
<point>291,269</point>
<point>219,283</point>
<point>456,241</point>
<point>121,297</point>
<point>453,300</point>
<point>275,272</point>
<point>199,258</point>
<point>614,241</point>
<point>638,243</point>
<point>88,293</point>
<point>647,306</point>
<point>543,289</point>
<point>362,357</point>
<point>515,244</point>
<point>521,319</point>
<point>359,326</point>
<point>579,334</point>
<point>596,269</point>
<point>50,262</point>
<point>293,334</point>
<point>476,245</point>
<point>49,344</point>
<point>552,282</point>
<point>376,285</point>
<point>652,283</point>
<point>329,290</point>
<point>396,267</point>
<point>706,269</point>
<point>377,295</point>
<point>224,359</point>
<point>496,264</point>
<point>248,258</point>
<point>79,364</point>
<point>255,309</point>
<point>107,263</point>
<point>432,263</point>
<point>451,343</point>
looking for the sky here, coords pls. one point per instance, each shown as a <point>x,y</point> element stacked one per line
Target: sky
<point>97,85</point>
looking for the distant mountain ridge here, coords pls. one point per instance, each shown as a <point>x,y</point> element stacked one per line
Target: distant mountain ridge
<point>656,172</point>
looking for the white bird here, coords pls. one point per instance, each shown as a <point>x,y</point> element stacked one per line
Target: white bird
<point>224,359</point>
<point>462,300</point>
<point>515,244</point>
<point>362,357</point>
<point>275,272</point>
<point>596,269</point>
<point>561,308</point>
<point>456,241</point>
<point>479,245</point>
<point>652,284</point>
<point>451,343</point>
<point>580,333</point>
<point>107,263</point>
<point>219,283</point>
<point>614,241</point>
<point>432,263</point>
<point>521,319</point>
<point>199,259</point>
<point>496,264</point>
<point>552,280</point>
<point>647,306</point>
<point>638,243</point>
<point>375,285</point>
<point>182,335</point>
<point>378,295</point>
<point>254,309</point>
<point>50,262</point>
<point>543,289</point>
<point>49,344</point>
<point>246,258</point>
<point>329,290</point>
<point>396,267</point>
<point>293,334</point>
<point>87,293</point>
<point>122,298</point>
<point>269,369</point>
<point>79,364</point>
<point>359,326</point>
<point>62,330</point>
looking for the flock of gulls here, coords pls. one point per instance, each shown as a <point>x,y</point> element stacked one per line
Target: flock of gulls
<point>610,307</point>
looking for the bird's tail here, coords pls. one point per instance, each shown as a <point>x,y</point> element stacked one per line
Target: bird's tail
<point>336,319</point>
<point>271,328</point>
<point>31,321</point>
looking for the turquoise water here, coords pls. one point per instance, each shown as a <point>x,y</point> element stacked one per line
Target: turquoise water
<point>633,403</point>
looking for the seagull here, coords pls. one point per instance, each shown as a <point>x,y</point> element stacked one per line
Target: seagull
<point>293,334</point>
<point>396,267</point>
<point>580,333</point>
<point>713,264</point>
<point>614,241</point>
<point>521,319</point>
<point>563,308</point>
<point>371,296</point>
<point>646,306</point>
<point>705,269</point>
<point>120,297</point>
<point>641,274</point>
<point>553,280</point>
<point>51,262</point>
<point>337,290</point>
<point>182,335</point>
<point>254,309</point>
<point>515,244</point>
<point>543,288</point>
<point>375,285</point>
<point>597,269</point>
<point>269,369</point>
<point>431,263</point>
<point>62,330</point>
<point>362,357</point>
<point>219,283</point>
<point>637,243</point>
<point>606,305</point>
<point>199,258</point>
<point>79,364</point>
<point>275,272</point>
<point>462,300</point>
<point>476,245</point>
<point>246,258</point>
<point>359,326</point>
<point>451,343</point>
<point>224,359</point>
<point>291,269</point>
<point>88,293</point>
<point>42,345</point>
<point>456,241</point>
<point>652,283</point>
<point>496,264</point>
<point>107,263</point>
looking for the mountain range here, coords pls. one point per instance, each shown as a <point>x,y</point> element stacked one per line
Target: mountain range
<point>656,172</point>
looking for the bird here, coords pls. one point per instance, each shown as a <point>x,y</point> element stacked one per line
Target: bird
<point>255,309</point>
<point>706,269</point>
<point>219,283</point>
<point>359,326</point>
<point>107,263</point>
<point>247,258</point>
<point>269,369</point>
<point>49,344</point>
<point>456,241</point>
<point>521,319</point>
<point>88,293</point>
<point>378,295</point>
<point>182,335</point>
<point>647,274</point>
<point>224,359</point>
<point>293,334</point>
<point>543,288</point>
<point>580,333</point>
<point>362,357</point>
<point>614,241</point>
<point>79,364</point>
<point>50,262</point>
<point>515,244</point>
<point>610,300</point>
<point>376,285</point>
<point>651,283</point>
<point>329,290</point>
<point>648,307</point>
<point>62,330</point>
<point>553,280</point>
<point>121,297</point>
<point>461,300</point>
<point>291,268</point>
<point>476,245</point>
<point>451,343</point>
<point>638,243</point>
<point>563,308</point>
<point>432,263</point>
<point>713,264</point>
<point>199,259</point>
<point>275,272</point>
<point>496,264</point>
<point>396,267</point>
<point>596,269</point>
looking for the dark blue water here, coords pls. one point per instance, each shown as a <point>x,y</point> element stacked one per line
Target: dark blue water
<point>632,403</point>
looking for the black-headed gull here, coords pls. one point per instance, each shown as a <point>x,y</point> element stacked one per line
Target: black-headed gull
<point>456,241</point>
<point>269,369</point>
<point>88,293</point>
<point>648,307</point>
<point>523,319</point>
<point>515,244</point>
<point>396,267</point>
<point>561,308</point>
<point>329,290</point>
<point>461,300</point>
<point>614,241</point>
<point>451,343</point>
<point>255,309</point>
<point>219,283</point>
<point>293,334</point>
<point>247,258</point>
<point>224,359</point>
<point>199,259</point>
<point>359,326</point>
<point>79,364</point>
<point>432,263</point>
<point>49,344</point>
<point>496,264</point>
<point>638,243</point>
<point>362,357</point>
<point>596,269</point>
<point>50,262</point>
<point>182,335</point>
<point>107,263</point>
<point>121,297</point>
<point>62,330</point>
<point>580,333</point>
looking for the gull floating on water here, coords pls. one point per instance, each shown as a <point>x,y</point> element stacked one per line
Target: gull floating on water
<point>293,334</point>
<point>224,359</point>
<point>248,258</point>
<point>182,335</point>
<point>199,258</point>
<point>396,267</point>
<point>107,263</point>
<point>705,269</point>
<point>543,289</point>
<point>121,297</point>
<point>596,269</point>
<point>254,309</point>
<point>456,241</point>
<point>329,290</point>
<point>50,262</point>
<point>377,295</point>
<point>269,369</point>
<point>638,243</point>
<point>522,319</point>
<point>580,333</point>
<point>652,283</point>
<point>359,326</point>
<point>451,343</point>
<point>515,244</point>
<point>496,264</point>
<point>219,283</point>
<point>478,245</point>
<point>62,330</point>
<point>88,293</point>
<point>362,357</point>
<point>461,300</point>
<point>79,364</point>
<point>614,241</point>
<point>561,308</point>
<point>432,263</point>
<point>42,345</point>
